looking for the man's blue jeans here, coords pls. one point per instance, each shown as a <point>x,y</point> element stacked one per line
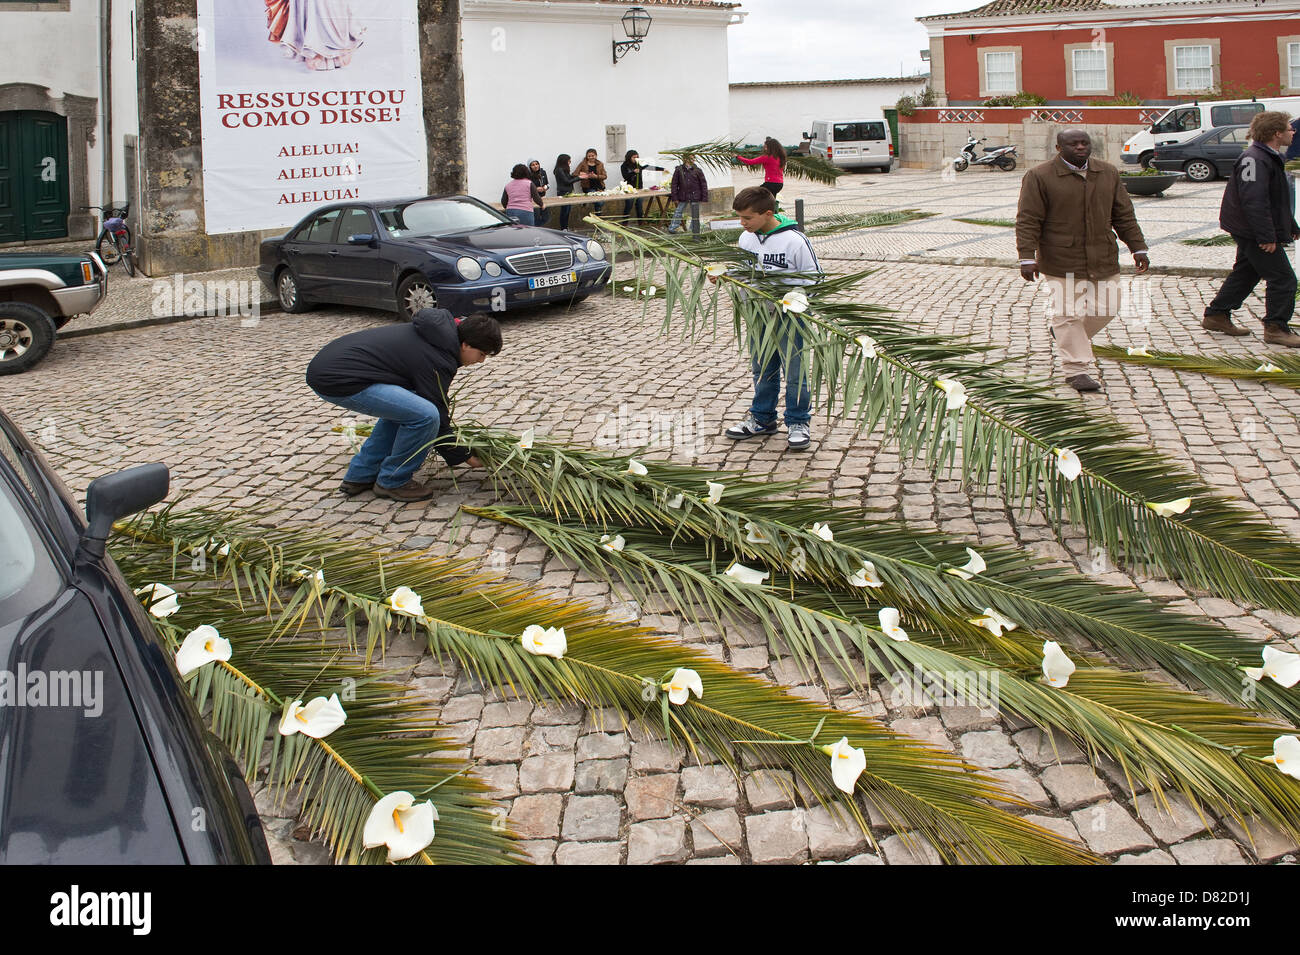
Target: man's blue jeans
<point>677,216</point>
<point>767,382</point>
<point>399,443</point>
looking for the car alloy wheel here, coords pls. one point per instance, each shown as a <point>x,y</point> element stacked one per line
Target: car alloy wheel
<point>26,336</point>
<point>1198,170</point>
<point>414,295</point>
<point>15,339</point>
<point>288,289</point>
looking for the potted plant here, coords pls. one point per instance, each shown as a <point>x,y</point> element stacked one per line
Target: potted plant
<point>1148,182</point>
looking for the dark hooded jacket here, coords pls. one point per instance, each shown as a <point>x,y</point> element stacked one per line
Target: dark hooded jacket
<point>1257,200</point>
<point>422,357</point>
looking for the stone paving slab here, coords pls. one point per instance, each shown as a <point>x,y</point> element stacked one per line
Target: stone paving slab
<point>225,406</point>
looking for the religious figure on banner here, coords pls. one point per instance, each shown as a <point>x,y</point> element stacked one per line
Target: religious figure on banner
<point>320,33</point>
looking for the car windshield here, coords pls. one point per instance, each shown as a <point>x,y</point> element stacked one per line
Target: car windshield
<point>28,577</point>
<point>437,217</point>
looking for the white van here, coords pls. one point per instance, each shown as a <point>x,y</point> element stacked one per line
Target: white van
<point>853,143</point>
<point>1186,120</point>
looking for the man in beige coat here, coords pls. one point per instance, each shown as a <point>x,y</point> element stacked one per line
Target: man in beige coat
<point>1071,209</point>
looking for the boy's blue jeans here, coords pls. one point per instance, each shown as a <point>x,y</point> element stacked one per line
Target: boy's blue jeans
<point>400,441</point>
<point>767,382</point>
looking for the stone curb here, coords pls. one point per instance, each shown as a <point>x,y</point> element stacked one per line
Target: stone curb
<point>264,308</point>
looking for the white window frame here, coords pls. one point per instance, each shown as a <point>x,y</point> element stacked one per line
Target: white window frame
<point>1072,89</point>
<point>1288,66</point>
<point>1172,69</point>
<point>1014,52</point>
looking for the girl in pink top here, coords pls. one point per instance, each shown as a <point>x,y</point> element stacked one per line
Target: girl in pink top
<point>772,159</point>
<point>520,196</point>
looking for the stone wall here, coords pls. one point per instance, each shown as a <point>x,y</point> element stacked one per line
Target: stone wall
<point>170,233</point>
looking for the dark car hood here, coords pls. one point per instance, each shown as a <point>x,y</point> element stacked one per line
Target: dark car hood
<point>503,240</point>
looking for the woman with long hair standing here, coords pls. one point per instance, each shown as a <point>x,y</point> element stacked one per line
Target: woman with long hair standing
<point>565,182</point>
<point>772,159</point>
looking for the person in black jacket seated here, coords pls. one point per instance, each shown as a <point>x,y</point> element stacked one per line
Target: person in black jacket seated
<point>565,183</point>
<point>632,170</point>
<point>401,374</point>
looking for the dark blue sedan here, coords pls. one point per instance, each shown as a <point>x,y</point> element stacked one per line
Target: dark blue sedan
<point>1202,158</point>
<point>452,252</point>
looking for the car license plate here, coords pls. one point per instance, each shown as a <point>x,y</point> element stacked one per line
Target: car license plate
<point>551,281</point>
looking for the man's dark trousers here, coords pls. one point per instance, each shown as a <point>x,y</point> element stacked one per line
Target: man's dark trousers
<point>1253,264</point>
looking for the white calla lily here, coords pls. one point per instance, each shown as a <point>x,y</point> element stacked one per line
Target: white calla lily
<point>201,646</point>
<point>614,543</point>
<point>1286,755</point>
<point>823,531</point>
<point>747,575</point>
<point>650,292</point>
<point>628,288</point>
<point>676,501</point>
<point>637,468</point>
<point>1068,464</point>
<point>955,391</point>
<point>548,642</point>
<point>753,535</point>
<point>684,682</point>
<point>715,491</point>
<point>795,301</point>
<point>407,601</point>
<point>1279,665</point>
<point>866,577</point>
<point>1139,350</point>
<point>847,764</point>
<point>402,824</point>
<point>889,618</point>
<point>1057,667</point>
<point>1268,368</point>
<point>994,622</point>
<point>972,567</point>
<point>317,719</point>
<point>716,269</point>
<point>162,600</point>
<point>869,346</point>
<point>317,578</point>
<point>526,439</point>
<point>1170,508</point>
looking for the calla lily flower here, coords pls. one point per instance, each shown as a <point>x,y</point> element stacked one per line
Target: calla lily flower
<point>969,569</point>
<point>753,535</point>
<point>222,548</point>
<point>550,642</point>
<point>1170,508</point>
<point>955,391</point>
<point>649,292</point>
<point>889,624</point>
<point>868,345</point>
<point>716,269</point>
<point>676,501</point>
<point>407,601</point>
<point>162,600</point>
<point>637,468</point>
<point>628,288</point>
<point>1280,666</point>
<point>866,577</point>
<point>715,491</point>
<point>747,575</point>
<point>318,578</point>
<point>795,301</point>
<point>823,531</point>
<point>1057,667</point>
<point>847,764</point>
<point>402,824</point>
<point>201,646</point>
<point>1139,350</point>
<point>317,719</point>
<point>1286,755</point>
<point>684,682</point>
<point>1068,464</point>
<point>614,543</point>
<point>1268,368</point>
<point>994,622</point>
<point>526,439</point>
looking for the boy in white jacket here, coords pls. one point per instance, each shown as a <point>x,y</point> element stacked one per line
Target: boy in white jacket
<point>779,246</point>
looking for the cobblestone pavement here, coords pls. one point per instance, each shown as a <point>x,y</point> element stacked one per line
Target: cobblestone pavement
<point>224,405</point>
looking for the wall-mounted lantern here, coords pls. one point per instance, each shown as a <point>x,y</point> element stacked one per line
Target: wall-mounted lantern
<point>636,24</point>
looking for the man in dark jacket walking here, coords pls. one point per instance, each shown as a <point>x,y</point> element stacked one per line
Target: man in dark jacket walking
<point>1257,212</point>
<point>401,374</point>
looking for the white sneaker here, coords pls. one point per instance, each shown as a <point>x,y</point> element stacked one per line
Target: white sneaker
<point>799,437</point>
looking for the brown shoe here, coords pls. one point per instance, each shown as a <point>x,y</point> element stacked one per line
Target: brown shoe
<point>1082,383</point>
<point>353,488</point>
<point>1222,322</point>
<point>410,491</point>
<point>1273,335</point>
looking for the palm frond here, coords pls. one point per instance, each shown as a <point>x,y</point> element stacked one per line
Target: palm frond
<point>1000,223</point>
<point>1272,369</point>
<point>1212,240</point>
<point>720,156</point>
<point>1006,435</point>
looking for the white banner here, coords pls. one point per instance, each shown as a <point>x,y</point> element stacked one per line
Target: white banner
<point>306,102</point>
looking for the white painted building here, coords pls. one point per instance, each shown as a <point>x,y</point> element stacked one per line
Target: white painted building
<point>786,110</point>
<point>540,80</point>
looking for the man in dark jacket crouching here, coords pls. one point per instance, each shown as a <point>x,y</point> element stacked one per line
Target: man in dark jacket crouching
<point>1257,212</point>
<point>401,374</point>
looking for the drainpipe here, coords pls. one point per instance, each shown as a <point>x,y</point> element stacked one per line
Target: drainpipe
<point>106,96</point>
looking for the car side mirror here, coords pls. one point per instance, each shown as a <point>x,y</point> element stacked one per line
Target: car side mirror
<point>115,496</point>
<point>364,238</point>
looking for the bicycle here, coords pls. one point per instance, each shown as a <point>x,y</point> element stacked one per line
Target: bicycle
<point>114,242</point>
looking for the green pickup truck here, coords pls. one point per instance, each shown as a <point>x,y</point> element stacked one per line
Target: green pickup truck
<point>39,294</point>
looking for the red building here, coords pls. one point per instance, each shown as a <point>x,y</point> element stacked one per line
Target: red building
<point>1074,51</point>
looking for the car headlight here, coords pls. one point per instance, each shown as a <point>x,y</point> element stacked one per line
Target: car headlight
<point>492,269</point>
<point>595,249</point>
<point>468,268</point>
<point>580,255</point>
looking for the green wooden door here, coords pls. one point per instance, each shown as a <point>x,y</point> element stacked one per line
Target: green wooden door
<point>34,185</point>
<point>891,117</point>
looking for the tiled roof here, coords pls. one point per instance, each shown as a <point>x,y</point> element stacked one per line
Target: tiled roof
<point>1015,8</point>
<point>876,80</point>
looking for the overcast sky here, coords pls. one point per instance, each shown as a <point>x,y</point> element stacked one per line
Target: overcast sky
<point>832,39</point>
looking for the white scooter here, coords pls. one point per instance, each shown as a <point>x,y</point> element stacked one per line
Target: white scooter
<point>1004,157</point>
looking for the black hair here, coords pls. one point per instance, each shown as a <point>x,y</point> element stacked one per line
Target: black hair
<point>519,172</point>
<point>482,332</point>
<point>630,154</point>
<point>563,160</point>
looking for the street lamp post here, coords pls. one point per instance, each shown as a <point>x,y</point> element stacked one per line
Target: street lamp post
<point>636,24</point>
